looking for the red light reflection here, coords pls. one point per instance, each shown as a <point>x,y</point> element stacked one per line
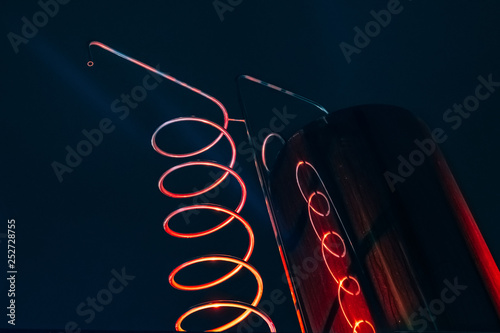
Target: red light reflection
<point>352,303</point>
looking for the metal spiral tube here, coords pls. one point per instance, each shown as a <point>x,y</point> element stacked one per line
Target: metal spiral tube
<point>232,214</point>
<point>356,317</point>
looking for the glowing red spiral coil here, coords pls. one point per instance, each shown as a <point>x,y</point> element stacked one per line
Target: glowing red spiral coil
<point>228,170</point>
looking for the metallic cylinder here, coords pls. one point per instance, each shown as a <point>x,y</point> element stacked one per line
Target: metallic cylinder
<point>362,199</point>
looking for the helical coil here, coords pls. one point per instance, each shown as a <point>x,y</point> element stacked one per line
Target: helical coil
<point>232,214</point>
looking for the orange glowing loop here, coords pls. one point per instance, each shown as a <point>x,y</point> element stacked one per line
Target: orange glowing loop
<point>208,188</point>
<point>216,182</point>
<point>248,254</point>
<point>249,309</point>
<point>315,210</point>
<point>287,274</point>
<point>301,163</point>
<point>323,245</point>
<point>341,287</point>
<point>266,140</point>
<point>359,322</point>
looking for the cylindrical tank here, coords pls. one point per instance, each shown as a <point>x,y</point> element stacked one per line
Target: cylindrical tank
<point>373,230</point>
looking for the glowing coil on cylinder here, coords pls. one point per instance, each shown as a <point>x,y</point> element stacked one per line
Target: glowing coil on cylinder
<point>339,255</point>
<point>233,214</point>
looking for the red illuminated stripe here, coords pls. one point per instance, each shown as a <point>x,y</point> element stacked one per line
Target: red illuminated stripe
<point>287,273</point>
<point>203,233</point>
<point>475,241</point>
<point>216,182</point>
<point>301,323</point>
<point>358,324</point>
<point>294,298</point>
<point>192,194</point>
<point>264,144</point>
<point>324,246</point>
